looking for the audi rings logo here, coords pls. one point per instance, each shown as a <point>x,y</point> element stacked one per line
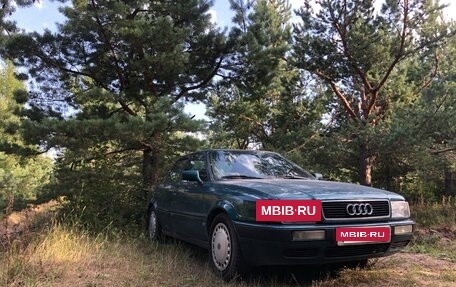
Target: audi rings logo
<point>359,209</point>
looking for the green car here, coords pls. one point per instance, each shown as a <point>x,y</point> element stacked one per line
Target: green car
<point>254,208</point>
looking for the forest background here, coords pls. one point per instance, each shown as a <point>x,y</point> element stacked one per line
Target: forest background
<point>92,113</point>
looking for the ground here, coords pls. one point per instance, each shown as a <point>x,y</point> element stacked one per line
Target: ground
<point>59,255</point>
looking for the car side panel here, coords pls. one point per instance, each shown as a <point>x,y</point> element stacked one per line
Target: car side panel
<point>163,198</point>
<point>191,207</point>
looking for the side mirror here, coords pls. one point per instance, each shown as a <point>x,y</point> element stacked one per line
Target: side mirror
<point>318,176</point>
<point>191,175</point>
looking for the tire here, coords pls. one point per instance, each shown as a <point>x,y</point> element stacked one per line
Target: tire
<point>224,250</point>
<point>153,226</point>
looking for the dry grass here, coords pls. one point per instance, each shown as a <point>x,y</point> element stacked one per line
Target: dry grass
<point>18,222</point>
<point>62,255</point>
<point>400,270</point>
<point>436,229</point>
<point>436,214</point>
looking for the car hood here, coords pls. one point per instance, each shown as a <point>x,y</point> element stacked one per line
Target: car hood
<point>306,189</point>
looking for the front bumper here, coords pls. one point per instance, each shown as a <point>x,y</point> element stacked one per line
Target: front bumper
<point>270,244</point>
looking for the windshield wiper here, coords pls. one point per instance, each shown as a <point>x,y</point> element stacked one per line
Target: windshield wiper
<point>290,176</point>
<point>235,176</point>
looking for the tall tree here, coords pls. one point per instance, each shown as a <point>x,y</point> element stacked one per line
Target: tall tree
<point>422,135</point>
<point>261,100</point>
<point>20,177</point>
<point>358,52</point>
<point>113,78</point>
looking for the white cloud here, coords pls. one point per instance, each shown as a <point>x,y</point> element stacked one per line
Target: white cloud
<point>39,4</point>
<point>295,4</point>
<point>450,11</point>
<point>213,14</point>
<point>198,110</point>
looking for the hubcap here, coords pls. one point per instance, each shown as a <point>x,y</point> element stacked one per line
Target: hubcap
<point>221,246</point>
<point>152,225</point>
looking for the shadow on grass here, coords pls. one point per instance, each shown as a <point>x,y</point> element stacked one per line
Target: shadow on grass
<point>301,275</point>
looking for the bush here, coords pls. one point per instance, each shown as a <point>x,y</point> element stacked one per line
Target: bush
<point>435,214</point>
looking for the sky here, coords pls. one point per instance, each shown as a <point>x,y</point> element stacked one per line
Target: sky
<point>44,14</point>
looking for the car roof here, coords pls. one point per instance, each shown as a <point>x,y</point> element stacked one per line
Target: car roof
<point>227,150</point>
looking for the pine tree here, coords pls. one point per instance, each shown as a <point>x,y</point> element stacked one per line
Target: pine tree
<point>421,141</point>
<point>360,54</point>
<point>114,77</point>
<point>20,176</point>
<point>261,101</point>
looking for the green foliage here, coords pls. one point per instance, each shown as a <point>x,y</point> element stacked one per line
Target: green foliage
<point>21,180</point>
<point>121,74</point>
<point>347,92</point>
<point>438,214</point>
<point>99,193</point>
<point>436,233</point>
<point>420,140</point>
<point>363,56</point>
<point>20,177</point>
<point>109,91</point>
<point>10,109</point>
<point>261,101</point>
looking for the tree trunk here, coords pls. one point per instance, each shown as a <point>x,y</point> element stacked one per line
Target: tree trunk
<point>150,170</point>
<point>366,163</point>
<point>450,183</point>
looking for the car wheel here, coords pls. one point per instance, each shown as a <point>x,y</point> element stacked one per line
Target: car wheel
<point>224,250</point>
<point>153,227</point>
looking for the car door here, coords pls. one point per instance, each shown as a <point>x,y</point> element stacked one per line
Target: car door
<point>165,195</point>
<point>190,205</point>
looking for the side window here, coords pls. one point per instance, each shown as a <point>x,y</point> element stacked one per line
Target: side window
<point>198,162</point>
<point>175,174</point>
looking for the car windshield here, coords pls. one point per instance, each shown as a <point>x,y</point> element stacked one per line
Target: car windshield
<point>252,165</point>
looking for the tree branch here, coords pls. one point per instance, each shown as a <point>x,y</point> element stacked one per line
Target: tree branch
<point>116,61</point>
<point>397,58</point>
<point>339,94</point>
<point>432,75</point>
<point>346,50</point>
<point>200,85</point>
<point>135,12</point>
<point>443,150</point>
<point>400,52</point>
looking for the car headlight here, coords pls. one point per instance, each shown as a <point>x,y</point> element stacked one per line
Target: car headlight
<point>400,209</point>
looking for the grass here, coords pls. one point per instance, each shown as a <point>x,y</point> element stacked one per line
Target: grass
<point>61,255</point>
<point>437,214</point>
<point>436,232</point>
<point>57,254</point>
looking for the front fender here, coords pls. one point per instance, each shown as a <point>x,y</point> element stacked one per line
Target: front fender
<point>237,210</point>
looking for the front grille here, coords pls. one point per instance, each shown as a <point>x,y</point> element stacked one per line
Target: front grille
<point>338,209</point>
<point>356,250</point>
